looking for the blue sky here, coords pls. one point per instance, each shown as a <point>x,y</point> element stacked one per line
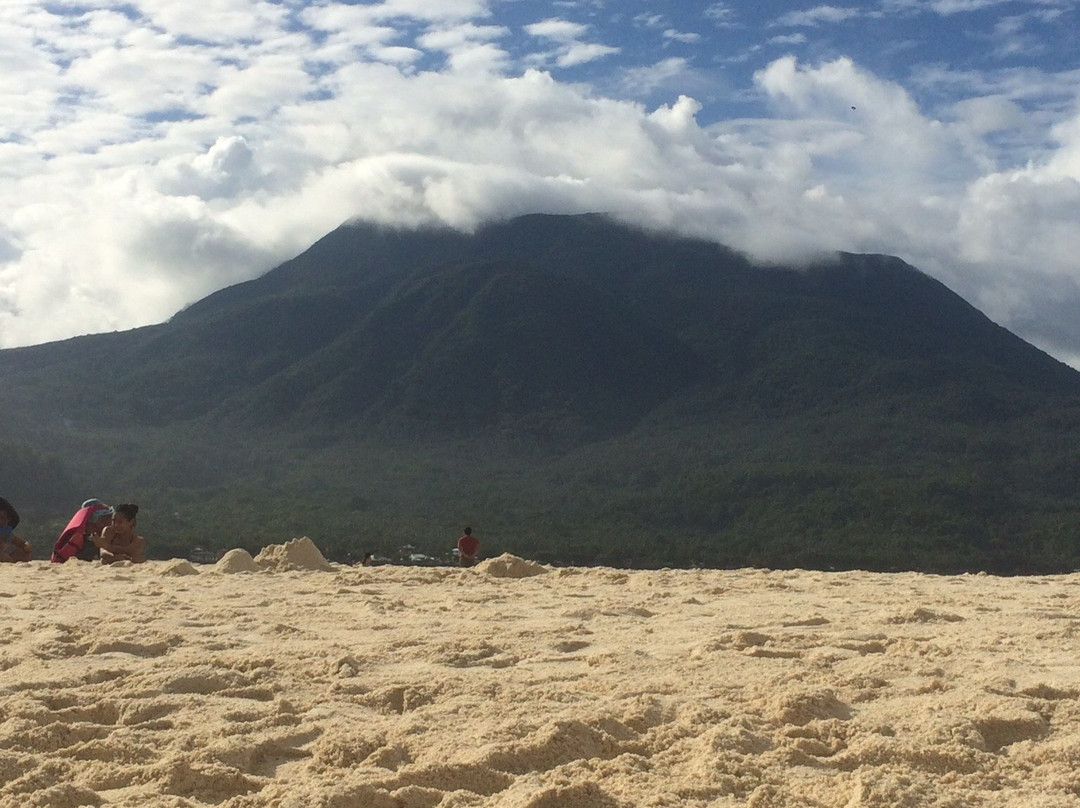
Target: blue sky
<point>153,151</point>
<point>935,50</point>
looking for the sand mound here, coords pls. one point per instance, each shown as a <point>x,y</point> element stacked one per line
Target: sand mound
<point>510,566</point>
<point>298,554</point>
<point>179,567</point>
<point>236,560</point>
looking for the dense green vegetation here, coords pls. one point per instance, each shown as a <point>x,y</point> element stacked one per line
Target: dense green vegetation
<point>822,491</point>
<point>576,391</point>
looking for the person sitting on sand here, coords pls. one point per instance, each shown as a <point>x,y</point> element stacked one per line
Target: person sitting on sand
<point>468,546</point>
<point>118,541</point>
<point>78,538</point>
<point>12,548</point>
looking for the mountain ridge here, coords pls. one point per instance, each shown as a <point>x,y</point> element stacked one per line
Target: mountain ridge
<point>704,298</point>
<point>576,348</point>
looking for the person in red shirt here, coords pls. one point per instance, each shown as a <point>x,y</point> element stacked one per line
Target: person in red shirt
<point>468,546</point>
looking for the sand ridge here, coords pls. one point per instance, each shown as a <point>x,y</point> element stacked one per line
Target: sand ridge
<point>440,687</point>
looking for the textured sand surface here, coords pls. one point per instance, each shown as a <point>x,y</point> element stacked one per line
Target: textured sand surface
<point>299,684</point>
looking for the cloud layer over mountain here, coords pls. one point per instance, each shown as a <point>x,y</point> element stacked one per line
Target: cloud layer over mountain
<point>154,152</point>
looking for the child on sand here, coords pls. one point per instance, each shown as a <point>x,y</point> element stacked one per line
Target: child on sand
<point>12,548</point>
<point>118,541</point>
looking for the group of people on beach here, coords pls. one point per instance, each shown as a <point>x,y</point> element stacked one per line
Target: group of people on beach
<point>96,531</point>
<point>100,532</point>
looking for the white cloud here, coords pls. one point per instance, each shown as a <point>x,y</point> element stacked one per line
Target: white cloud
<point>1044,9</point>
<point>337,16</point>
<point>561,30</point>
<point>650,77</point>
<point>790,39</point>
<point>214,20</point>
<point>442,11</point>
<point>1012,37</point>
<point>907,146</point>
<point>659,23</point>
<point>397,54</point>
<point>721,14</point>
<point>1002,238</point>
<point>818,16</point>
<point>469,47</point>
<point>988,114</point>
<point>464,35</point>
<point>1027,216</point>
<point>226,170</point>
<point>686,37</point>
<point>578,53</point>
<point>1016,230</point>
<point>947,7</point>
<point>571,50</point>
<point>650,20</point>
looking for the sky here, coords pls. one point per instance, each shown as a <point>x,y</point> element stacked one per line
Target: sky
<point>154,151</point>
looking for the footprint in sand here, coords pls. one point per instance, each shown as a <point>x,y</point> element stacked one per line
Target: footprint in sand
<point>475,778</point>
<point>924,615</point>
<point>398,699</point>
<point>137,647</point>
<point>468,654</point>
<point>570,646</point>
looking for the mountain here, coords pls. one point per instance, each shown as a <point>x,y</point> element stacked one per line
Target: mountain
<point>586,365</point>
<point>542,312</point>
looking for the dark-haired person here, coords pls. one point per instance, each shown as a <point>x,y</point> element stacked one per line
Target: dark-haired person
<point>468,546</point>
<point>12,548</point>
<point>119,541</point>
<point>79,539</point>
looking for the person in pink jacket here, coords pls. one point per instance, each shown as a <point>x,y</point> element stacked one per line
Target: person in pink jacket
<point>77,540</point>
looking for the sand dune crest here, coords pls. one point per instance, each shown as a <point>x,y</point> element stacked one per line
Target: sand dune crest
<point>510,566</point>
<point>298,554</point>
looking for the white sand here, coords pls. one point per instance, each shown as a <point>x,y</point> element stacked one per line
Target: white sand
<point>397,687</point>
